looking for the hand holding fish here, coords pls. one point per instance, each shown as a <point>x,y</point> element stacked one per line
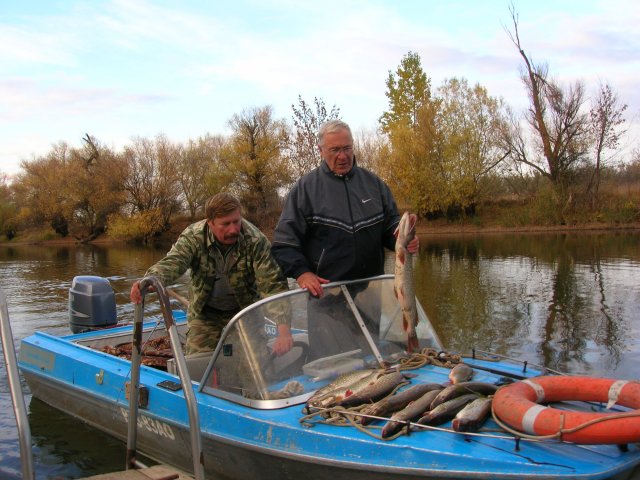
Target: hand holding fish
<point>414,245</point>
<point>404,284</point>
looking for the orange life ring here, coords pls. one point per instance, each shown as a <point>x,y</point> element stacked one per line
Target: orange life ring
<point>517,405</point>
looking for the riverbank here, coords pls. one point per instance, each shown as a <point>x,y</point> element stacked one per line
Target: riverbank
<point>423,228</point>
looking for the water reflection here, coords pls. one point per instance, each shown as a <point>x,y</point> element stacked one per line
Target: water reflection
<point>565,301</point>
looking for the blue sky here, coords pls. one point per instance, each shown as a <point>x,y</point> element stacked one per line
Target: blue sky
<point>118,69</point>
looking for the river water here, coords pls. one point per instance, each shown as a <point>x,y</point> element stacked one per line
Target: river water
<point>567,301</point>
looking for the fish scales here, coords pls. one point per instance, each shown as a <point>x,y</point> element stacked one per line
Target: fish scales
<point>412,411</point>
<point>472,415</point>
<point>459,389</point>
<point>336,394</point>
<point>447,410</point>
<point>403,286</point>
<point>397,401</point>
<point>380,387</point>
<point>342,380</point>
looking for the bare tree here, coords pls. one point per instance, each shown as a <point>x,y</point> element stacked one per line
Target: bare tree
<point>152,178</point>
<point>254,155</point>
<point>606,127</point>
<point>94,189</point>
<point>559,128</point>
<point>303,151</point>
<point>372,149</point>
<point>199,161</point>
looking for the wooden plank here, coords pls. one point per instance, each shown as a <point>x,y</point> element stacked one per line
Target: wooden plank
<point>157,472</point>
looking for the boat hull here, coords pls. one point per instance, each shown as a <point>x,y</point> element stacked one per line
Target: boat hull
<point>247,436</point>
<point>168,442</point>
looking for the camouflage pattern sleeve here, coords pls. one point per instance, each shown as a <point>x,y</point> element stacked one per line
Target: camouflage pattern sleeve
<point>180,258</point>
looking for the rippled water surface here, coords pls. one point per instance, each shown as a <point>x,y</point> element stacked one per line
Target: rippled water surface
<point>570,302</point>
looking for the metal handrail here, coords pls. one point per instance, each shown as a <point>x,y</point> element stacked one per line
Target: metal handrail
<point>147,284</point>
<point>19,407</point>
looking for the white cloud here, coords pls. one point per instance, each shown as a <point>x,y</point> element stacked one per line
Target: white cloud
<point>126,68</point>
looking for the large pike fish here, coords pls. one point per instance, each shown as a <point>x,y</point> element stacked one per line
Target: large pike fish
<point>368,389</point>
<point>403,286</point>
<point>372,392</point>
<point>343,386</point>
<point>342,380</point>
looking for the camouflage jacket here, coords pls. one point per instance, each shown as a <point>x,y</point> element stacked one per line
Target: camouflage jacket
<point>253,274</point>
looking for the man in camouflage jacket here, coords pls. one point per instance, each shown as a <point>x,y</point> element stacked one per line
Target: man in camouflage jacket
<point>231,268</point>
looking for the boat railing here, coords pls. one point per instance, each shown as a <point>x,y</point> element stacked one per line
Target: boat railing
<point>146,285</point>
<point>15,388</point>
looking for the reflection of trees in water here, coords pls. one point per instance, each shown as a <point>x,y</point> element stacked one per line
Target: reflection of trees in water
<point>459,298</point>
<point>611,329</point>
<point>565,333</point>
<point>546,298</point>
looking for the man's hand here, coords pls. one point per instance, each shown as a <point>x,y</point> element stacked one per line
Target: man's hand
<point>414,245</point>
<point>312,283</point>
<point>136,295</point>
<point>284,341</point>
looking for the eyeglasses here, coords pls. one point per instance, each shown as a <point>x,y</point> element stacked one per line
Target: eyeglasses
<point>336,150</point>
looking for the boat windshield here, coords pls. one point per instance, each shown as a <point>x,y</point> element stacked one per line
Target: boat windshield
<point>354,325</point>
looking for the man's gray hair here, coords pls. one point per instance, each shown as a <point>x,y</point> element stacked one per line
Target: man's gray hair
<point>330,127</point>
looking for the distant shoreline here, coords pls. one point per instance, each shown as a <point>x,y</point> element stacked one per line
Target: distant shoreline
<point>424,228</point>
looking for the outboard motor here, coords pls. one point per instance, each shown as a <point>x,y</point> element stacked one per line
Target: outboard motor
<point>92,304</point>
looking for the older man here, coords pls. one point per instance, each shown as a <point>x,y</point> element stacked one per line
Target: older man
<point>337,219</point>
<point>231,267</point>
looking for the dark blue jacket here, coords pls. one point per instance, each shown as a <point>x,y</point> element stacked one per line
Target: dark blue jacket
<point>336,226</point>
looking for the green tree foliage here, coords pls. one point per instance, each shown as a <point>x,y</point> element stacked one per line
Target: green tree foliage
<point>470,123</point>
<point>303,150</point>
<point>255,157</point>
<point>442,147</point>
<point>410,124</point>
<point>412,167</point>
<point>408,91</point>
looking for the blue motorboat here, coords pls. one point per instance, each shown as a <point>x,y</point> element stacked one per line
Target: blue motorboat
<point>251,408</point>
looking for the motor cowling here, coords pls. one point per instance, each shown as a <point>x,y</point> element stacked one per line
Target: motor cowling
<point>92,304</point>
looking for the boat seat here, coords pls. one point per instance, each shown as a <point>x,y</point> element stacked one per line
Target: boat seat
<point>196,365</point>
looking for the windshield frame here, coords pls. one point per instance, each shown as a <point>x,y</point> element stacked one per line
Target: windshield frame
<point>265,403</point>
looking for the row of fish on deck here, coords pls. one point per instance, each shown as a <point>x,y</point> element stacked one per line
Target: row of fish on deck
<point>370,396</point>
